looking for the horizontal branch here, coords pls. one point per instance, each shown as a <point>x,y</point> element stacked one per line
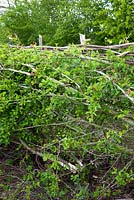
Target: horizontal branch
<point>119,46</point>
<point>89,46</point>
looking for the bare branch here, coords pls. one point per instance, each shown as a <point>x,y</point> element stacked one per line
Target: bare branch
<point>89,46</point>
<point>16,71</point>
<point>62,162</point>
<point>124,54</point>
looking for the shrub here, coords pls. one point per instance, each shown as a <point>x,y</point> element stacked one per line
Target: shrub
<point>72,111</point>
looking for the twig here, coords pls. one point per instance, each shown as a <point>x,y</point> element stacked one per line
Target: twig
<point>111,167</point>
<point>94,59</point>
<point>45,125</point>
<point>125,94</point>
<point>71,80</point>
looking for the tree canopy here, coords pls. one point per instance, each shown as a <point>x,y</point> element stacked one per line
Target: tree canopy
<point>60,22</point>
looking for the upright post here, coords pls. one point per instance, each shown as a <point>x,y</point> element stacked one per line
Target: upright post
<point>40,40</point>
<point>82,39</point>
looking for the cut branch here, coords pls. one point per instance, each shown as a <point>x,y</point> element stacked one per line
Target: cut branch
<point>62,162</point>
<point>124,54</point>
<point>16,71</point>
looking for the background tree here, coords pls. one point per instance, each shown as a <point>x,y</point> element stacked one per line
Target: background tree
<point>92,14</point>
<point>119,23</point>
<point>29,19</point>
<point>4,32</point>
<point>68,24</point>
<point>60,23</point>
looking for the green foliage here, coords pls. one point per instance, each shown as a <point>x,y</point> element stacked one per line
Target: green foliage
<point>4,32</point>
<point>29,19</point>
<point>72,112</point>
<point>104,22</point>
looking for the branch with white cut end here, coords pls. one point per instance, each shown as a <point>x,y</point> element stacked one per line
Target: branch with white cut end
<point>62,162</point>
<point>16,71</point>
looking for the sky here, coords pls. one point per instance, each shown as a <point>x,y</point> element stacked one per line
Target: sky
<point>5,4</point>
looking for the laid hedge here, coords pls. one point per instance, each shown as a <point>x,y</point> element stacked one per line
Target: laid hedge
<point>74,111</point>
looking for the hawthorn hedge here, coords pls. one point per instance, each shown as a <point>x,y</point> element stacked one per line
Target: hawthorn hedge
<point>69,116</point>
